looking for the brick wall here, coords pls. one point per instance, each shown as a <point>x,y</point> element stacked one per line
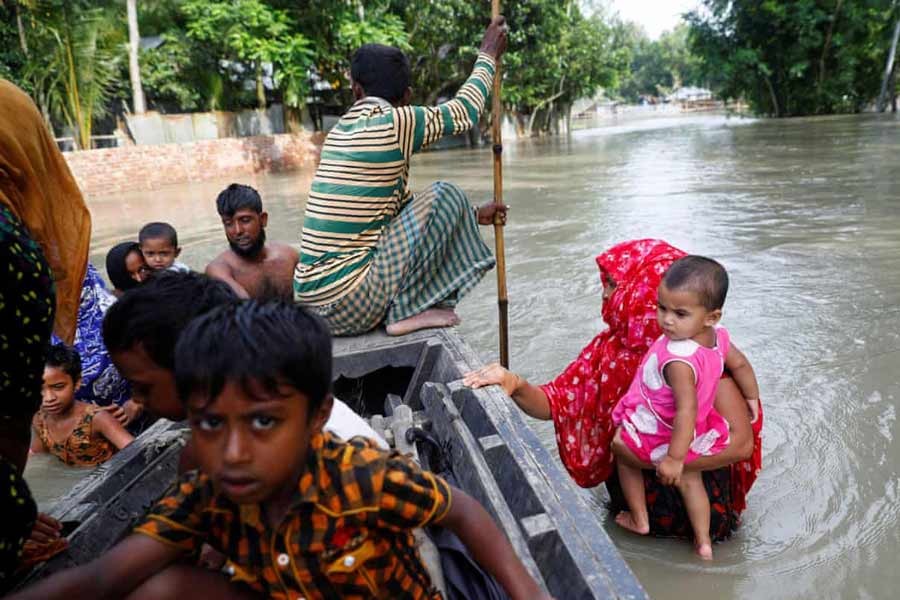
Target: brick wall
<point>110,170</point>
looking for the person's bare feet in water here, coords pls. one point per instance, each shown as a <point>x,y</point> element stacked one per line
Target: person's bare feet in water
<point>625,520</point>
<point>704,550</point>
<point>433,317</point>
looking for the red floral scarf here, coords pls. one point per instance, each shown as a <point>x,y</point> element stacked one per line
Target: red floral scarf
<point>583,396</point>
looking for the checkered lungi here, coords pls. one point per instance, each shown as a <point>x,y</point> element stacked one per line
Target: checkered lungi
<point>429,256</point>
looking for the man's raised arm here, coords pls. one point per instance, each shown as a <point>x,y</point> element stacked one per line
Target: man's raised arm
<point>419,126</point>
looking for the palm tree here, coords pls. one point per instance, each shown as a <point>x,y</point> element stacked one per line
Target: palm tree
<point>73,59</point>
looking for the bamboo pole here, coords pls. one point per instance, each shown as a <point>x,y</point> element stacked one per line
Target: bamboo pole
<point>499,246</point>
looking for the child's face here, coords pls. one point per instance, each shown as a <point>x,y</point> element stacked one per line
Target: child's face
<point>57,391</point>
<point>254,447</point>
<point>681,315</point>
<point>152,386</point>
<point>136,266</point>
<point>159,253</point>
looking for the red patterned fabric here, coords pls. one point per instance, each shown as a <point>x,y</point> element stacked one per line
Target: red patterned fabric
<point>583,396</point>
<point>744,473</point>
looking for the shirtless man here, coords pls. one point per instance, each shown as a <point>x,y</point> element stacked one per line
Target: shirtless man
<point>252,267</point>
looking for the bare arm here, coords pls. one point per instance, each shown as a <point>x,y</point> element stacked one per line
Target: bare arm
<point>420,126</point>
<point>732,406</point>
<point>106,425</point>
<point>37,446</point>
<point>219,270</point>
<point>530,398</point>
<point>489,546</point>
<point>742,372</point>
<point>113,575</point>
<point>680,378</point>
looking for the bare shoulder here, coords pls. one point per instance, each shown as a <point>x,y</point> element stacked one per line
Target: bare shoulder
<point>280,251</point>
<point>220,264</point>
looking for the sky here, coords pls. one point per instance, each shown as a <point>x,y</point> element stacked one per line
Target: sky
<point>655,16</point>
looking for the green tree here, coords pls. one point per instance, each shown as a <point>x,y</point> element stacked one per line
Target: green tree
<point>558,55</point>
<point>444,36</point>
<point>794,57</point>
<point>659,66</point>
<point>337,28</point>
<point>73,59</point>
<point>255,34</point>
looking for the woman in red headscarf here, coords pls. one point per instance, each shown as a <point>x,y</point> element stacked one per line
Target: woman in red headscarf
<point>581,399</point>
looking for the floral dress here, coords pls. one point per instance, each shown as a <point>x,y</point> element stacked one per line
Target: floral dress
<point>101,382</point>
<point>81,448</point>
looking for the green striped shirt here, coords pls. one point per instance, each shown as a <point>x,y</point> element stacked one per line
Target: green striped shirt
<point>362,182</point>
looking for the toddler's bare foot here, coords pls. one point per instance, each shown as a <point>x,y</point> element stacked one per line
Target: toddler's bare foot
<point>626,521</point>
<point>433,317</point>
<point>704,551</point>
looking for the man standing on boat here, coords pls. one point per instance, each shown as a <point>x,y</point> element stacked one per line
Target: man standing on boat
<point>371,250</point>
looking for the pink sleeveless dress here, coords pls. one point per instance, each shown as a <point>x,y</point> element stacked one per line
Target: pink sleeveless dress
<point>647,411</point>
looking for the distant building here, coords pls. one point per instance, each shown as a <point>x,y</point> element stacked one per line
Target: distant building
<point>690,94</point>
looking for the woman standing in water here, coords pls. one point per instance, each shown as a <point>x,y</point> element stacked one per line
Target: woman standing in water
<point>45,231</point>
<point>580,401</point>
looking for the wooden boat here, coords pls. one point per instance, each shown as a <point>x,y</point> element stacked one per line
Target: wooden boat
<point>477,435</point>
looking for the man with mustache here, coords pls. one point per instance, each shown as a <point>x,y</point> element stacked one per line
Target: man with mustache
<point>251,267</point>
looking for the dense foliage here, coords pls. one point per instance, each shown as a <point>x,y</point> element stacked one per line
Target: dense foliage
<point>658,67</point>
<point>783,57</point>
<point>233,54</point>
<point>795,57</point>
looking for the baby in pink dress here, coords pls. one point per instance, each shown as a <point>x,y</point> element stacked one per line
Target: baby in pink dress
<point>667,419</point>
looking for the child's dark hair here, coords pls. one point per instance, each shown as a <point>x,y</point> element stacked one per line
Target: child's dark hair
<point>237,196</point>
<point>66,358</point>
<point>157,231</point>
<point>702,275</point>
<point>154,314</point>
<point>273,344</point>
<point>382,71</point>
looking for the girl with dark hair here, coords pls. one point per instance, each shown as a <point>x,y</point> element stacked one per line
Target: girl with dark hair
<point>125,267</point>
<point>78,433</point>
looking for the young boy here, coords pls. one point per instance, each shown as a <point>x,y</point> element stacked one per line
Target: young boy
<point>140,331</point>
<point>300,513</point>
<point>159,245</point>
<point>78,433</point>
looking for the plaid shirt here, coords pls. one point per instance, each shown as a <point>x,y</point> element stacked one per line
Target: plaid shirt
<point>348,533</point>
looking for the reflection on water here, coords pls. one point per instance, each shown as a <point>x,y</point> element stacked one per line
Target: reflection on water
<point>802,213</point>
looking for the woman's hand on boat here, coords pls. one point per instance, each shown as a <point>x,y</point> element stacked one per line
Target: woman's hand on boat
<point>493,374</point>
<point>487,213</point>
<point>46,529</point>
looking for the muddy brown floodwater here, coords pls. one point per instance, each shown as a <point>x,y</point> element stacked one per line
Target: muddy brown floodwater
<point>804,213</point>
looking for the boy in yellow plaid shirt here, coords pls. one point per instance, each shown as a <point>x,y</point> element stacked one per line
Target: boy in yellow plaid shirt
<point>300,513</point>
